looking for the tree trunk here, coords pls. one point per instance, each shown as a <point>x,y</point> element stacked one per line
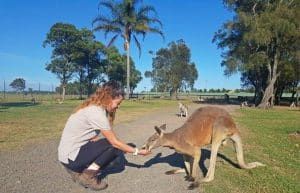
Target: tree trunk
<point>63,92</point>
<point>268,97</point>
<point>128,70</point>
<point>257,95</point>
<point>173,94</point>
<point>268,94</point>
<point>297,98</point>
<point>80,85</point>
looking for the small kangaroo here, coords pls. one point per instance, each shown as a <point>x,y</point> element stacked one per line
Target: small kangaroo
<point>244,104</point>
<point>183,110</point>
<point>207,125</point>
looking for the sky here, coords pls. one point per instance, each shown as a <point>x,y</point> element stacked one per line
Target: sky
<point>25,24</point>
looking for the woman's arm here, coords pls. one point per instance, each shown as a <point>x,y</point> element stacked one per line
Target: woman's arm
<point>115,142</point>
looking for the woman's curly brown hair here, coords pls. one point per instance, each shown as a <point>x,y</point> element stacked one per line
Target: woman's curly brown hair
<point>103,96</point>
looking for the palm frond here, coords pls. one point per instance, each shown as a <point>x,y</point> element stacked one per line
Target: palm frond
<point>107,4</point>
<point>106,27</point>
<point>146,9</point>
<point>144,16</point>
<point>155,20</point>
<point>138,45</point>
<point>158,31</point>
<point>101,19</point>
<point>112,40</point>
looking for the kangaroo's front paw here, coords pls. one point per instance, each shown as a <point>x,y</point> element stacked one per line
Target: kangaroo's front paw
<point>193,185</point>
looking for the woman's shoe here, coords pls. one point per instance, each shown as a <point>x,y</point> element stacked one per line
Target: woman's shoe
<point>88,179</point>
<point>74,175</point>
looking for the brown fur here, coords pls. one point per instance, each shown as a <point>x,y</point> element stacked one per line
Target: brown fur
<point>207,125</point>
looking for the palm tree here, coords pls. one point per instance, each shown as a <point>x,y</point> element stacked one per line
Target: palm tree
<point>123,19</point>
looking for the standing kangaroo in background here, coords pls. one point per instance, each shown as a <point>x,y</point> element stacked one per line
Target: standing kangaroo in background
<point>207,125</point>
<point>183,110</point>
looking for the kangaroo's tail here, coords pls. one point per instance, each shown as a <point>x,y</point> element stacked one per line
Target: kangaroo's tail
<point>240,154</point>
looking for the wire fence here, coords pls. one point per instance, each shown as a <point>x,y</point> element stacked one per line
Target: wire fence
<point>38,92</point>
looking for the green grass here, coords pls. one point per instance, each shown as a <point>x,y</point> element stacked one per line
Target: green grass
<point>23,123</point>
<point>266,139</point>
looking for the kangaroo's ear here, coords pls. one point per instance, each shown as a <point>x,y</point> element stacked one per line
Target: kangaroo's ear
<point>163,127</point>
<point>158,130</point>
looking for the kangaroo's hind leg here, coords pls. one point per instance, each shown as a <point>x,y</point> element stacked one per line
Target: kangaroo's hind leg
<point>219,134</point>
<point>212,163</point>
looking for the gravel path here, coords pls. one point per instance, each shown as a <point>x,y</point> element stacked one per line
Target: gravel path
<point>36,169</point>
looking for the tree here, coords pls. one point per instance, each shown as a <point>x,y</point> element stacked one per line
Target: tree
<point>62,37</point>
<point>167,68</point>
<point>125,20</point>
<point>18,84</point>
<point>88,56</point>
<point>264,35</point>
<point>116,68</point>
<point>255,78</point>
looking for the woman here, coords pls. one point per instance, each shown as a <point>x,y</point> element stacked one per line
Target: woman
<point>80,150</point>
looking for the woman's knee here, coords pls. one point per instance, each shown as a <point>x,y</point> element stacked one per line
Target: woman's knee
<point>115,151</point>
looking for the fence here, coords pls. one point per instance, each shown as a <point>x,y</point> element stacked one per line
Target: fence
<point>49,95</point>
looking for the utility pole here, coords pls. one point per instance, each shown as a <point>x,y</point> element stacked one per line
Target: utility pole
<point>4,90</point>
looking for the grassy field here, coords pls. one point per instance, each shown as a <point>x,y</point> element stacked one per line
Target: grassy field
<point>24,123</point>
<point>266,138</point>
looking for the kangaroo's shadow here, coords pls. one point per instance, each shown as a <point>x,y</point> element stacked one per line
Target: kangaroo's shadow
<point>176,160</point>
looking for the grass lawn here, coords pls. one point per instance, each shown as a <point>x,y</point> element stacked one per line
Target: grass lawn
<point>24,123</point>
<point>266,139</point>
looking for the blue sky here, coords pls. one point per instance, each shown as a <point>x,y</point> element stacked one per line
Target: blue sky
<point>24,25</point>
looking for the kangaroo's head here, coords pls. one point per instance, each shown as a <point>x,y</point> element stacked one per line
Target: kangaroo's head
<point>155,140</point>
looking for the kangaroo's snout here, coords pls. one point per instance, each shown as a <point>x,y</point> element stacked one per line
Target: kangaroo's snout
<point>144,147</point>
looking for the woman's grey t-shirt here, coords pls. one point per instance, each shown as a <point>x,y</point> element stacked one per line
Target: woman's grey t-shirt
<point>79,129</point>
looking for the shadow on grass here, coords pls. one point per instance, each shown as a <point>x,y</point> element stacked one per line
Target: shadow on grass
<point>176,160</point>
<point>17,104</point>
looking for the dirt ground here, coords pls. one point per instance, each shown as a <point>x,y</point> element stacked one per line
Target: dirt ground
<point>37,170</point>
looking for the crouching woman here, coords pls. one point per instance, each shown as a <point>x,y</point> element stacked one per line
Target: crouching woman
<point>82,152</point>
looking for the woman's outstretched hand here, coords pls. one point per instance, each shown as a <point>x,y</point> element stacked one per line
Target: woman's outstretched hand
<point>144,152</point>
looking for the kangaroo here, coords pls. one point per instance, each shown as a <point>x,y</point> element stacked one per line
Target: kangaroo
<point>244,104</point>
<point>183,110</point>
<point>207,125</point>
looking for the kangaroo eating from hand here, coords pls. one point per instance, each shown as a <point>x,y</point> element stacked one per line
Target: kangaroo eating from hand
<point>207,125</point>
